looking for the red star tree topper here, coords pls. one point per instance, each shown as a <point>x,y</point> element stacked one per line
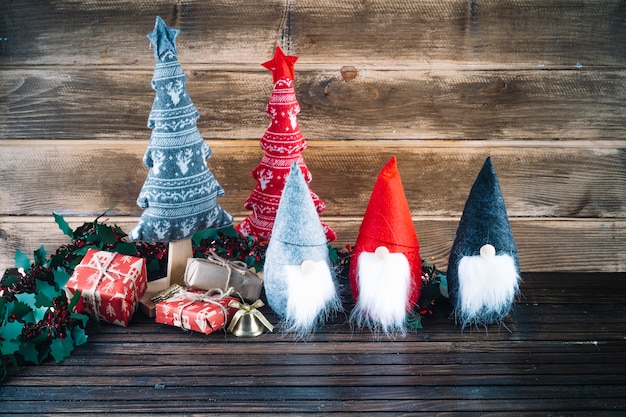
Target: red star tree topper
<point>283,144</point>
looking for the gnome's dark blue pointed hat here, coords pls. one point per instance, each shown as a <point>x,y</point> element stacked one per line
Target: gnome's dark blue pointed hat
<point>298,233</point>
<point>484,222</point>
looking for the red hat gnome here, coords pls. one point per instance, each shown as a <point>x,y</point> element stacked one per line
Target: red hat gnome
<point>385,271</point>
<point>283,145</point>
<point>483,272</point>
<point>299,284</point>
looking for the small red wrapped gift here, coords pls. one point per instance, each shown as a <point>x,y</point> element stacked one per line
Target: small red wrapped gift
<point>110,285</point>
<point>200,311</point>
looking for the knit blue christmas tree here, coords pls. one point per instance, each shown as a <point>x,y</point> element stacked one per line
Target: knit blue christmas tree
<point>179,194</point>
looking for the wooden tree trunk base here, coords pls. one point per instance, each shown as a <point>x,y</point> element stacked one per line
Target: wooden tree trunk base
<point>178,254</point>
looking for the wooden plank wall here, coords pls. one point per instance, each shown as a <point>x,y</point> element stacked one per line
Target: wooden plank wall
<point>540,85</point>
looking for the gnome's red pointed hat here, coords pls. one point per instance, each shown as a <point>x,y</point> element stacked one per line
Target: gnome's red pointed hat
<point>387,222</point>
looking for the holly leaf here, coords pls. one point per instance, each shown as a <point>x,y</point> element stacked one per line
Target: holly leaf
<point>106,233</point>
<point>9,360</point>
<point>119,231</point>
<point>39,313</point>
<point>79,335</point>
<point>30,353</point>
<point>153,265</point>
<point>40,255</point>
<point>229,231</point>
<point>201,235</point>
<point>45,293</point>
<point>63,225</point>
<point>21,260</point>
<point>11,331</point>
<point>80,252</point>
<point>126,248</point>
<point>94,240</point>
<point>60,278</point>
<point>61,348</point>
<point>332,255</point>
<point>9,347</point>
<point>75,299</point>
<point>27,298</point>
<point>443,285</point>
<point>80,316</point>
<point>23,311</point>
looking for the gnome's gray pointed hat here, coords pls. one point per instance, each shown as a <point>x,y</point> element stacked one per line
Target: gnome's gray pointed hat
<point>484,221</point>
<point>298,232</point>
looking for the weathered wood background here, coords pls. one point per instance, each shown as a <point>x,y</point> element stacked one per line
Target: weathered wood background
<point>538,85</point>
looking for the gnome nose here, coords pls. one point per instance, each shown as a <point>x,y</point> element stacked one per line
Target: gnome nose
<point>381,252</point>
<point>487,251</point>
<point>307,266</point>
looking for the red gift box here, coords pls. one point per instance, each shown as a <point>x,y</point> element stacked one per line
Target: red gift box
<point>110,285</point>
<point>195,310</point>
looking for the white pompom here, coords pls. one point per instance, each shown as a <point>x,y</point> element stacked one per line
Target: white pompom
<point>384,281</point>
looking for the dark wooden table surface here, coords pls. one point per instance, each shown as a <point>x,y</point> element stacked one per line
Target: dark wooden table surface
<point>565,355</point>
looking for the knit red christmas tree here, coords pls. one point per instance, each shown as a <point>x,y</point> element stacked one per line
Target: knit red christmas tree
<point>283,144</point>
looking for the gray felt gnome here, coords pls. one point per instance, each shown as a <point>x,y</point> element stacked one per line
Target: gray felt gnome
<point>299,282</point>
<point>178,196</point>
<point>483,270</point>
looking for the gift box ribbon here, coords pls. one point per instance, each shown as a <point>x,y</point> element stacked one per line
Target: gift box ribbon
<point>245,308</point>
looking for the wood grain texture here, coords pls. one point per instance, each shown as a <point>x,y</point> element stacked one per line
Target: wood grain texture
<point>542,179</point>
<point>72,103</point>
<point>538,85</point>
<point>543,245</point>
<point>564,355</point>
<point>492,33</point>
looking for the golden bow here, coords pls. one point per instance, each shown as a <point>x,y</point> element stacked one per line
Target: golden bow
<point>252,309</point>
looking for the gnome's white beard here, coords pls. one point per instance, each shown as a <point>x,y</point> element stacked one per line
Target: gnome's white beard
<point>311,296</point>
<point>487,289</point>
<point>384,286</point>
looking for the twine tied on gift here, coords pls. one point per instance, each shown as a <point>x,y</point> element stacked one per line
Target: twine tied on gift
<point>252,309</point>
<point>237,266</point>
<point>213,296</point>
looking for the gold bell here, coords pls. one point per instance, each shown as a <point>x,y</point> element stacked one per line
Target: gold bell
<point>248,325</point>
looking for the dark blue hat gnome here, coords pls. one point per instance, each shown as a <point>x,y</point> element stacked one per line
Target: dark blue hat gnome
<point>178,196</point>
<point>483,270</point>
<point>298,279</point>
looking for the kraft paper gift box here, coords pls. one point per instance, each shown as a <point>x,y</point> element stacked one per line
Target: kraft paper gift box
<point>110,285</point>
<point>218,273</point>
